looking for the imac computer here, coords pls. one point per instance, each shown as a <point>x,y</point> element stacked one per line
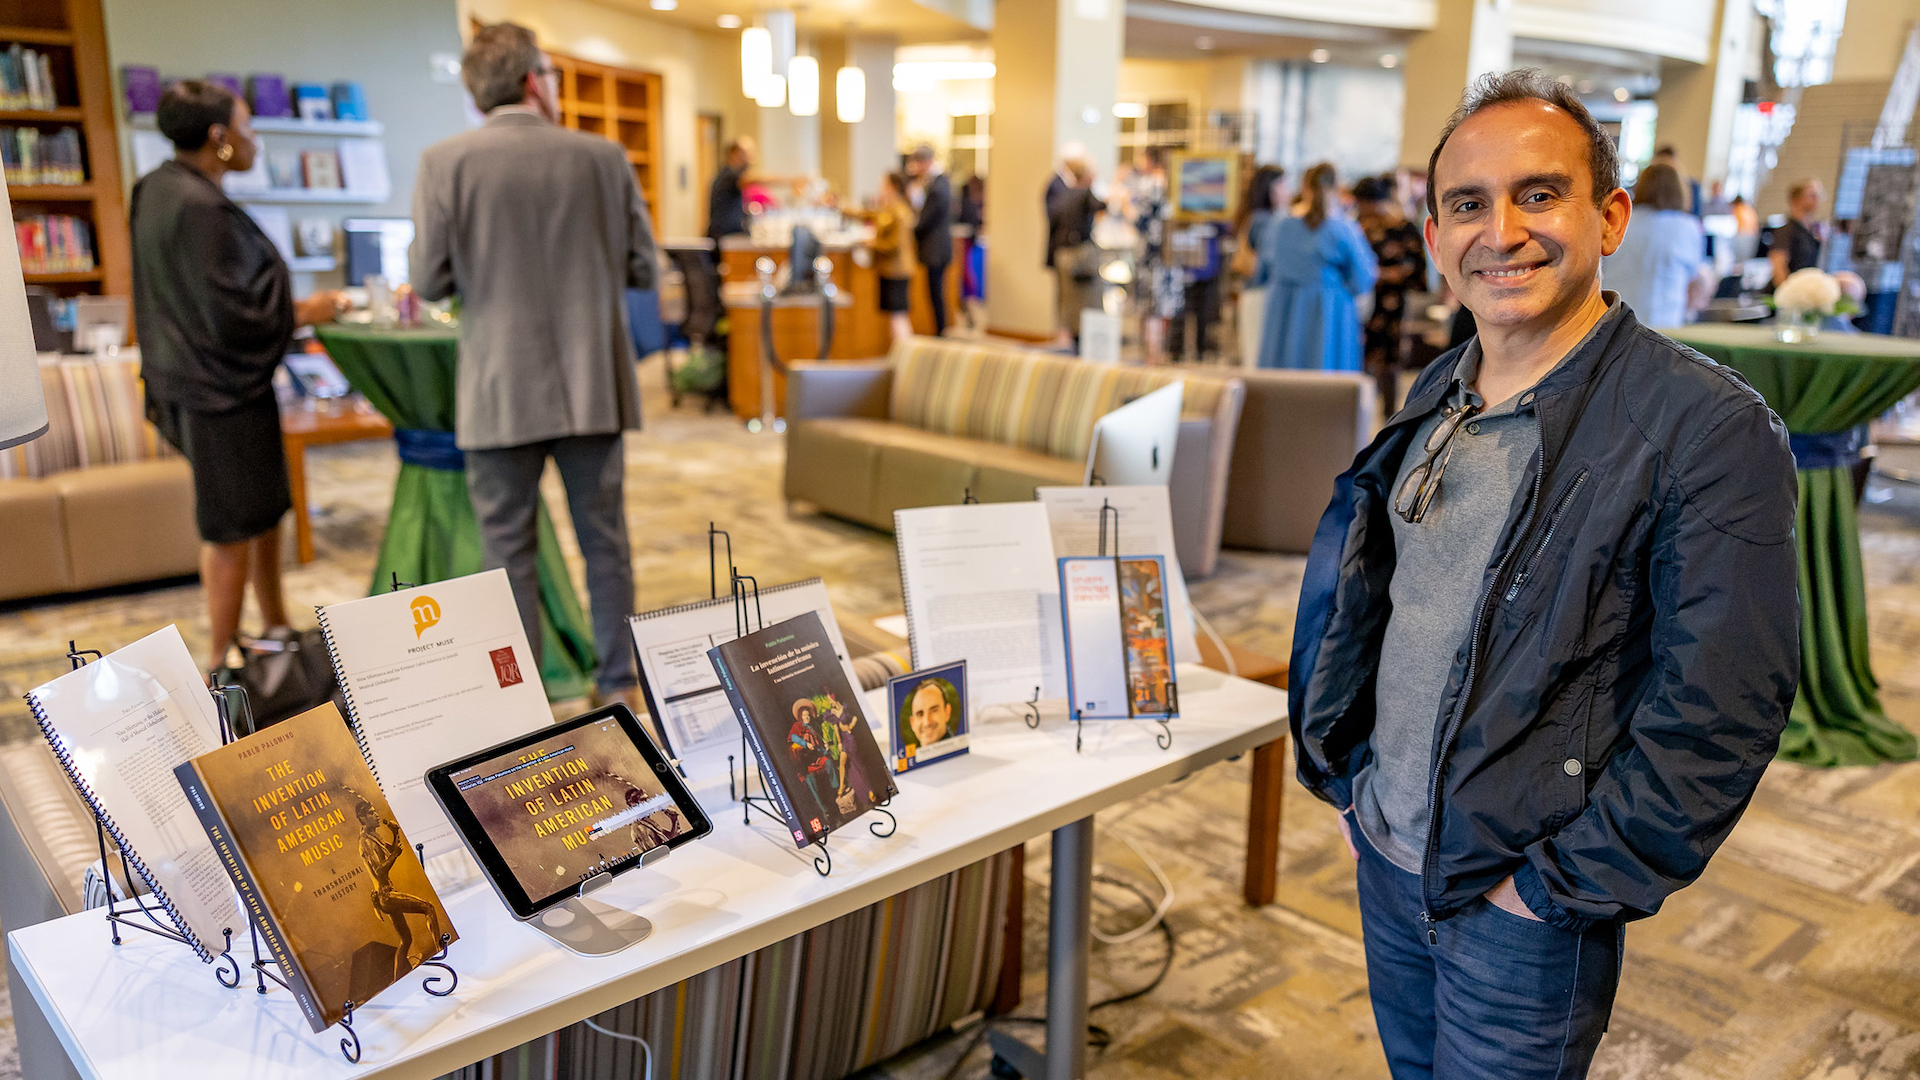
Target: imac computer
<point>1134,443</point>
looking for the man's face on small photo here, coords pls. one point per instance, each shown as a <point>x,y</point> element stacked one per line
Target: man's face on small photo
<point>929,715</point>
<point>1518,233</point>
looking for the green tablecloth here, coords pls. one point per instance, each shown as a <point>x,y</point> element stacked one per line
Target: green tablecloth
<point>432,534</point>
<point>1830,384</point>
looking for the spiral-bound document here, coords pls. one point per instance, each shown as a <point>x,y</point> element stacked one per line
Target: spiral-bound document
<point>430,674</point>
<point>119,727</point>
<point>683,692</point>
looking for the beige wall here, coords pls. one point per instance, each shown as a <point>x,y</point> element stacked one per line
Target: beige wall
<point>1057,76</point>
<point>1682,29</point>
<point>1206,84</point>
<point>1872,38</point>
<point>700,72</point>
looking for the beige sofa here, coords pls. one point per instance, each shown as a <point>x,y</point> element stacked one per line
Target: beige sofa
<point>98,500</point>
<point>1298,432</point>
<point>939,419</point>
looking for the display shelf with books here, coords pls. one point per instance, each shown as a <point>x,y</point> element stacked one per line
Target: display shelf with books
<point>54,80</point>
<point>305,195</point>
<point>58,114</point>
<point>289,125</point>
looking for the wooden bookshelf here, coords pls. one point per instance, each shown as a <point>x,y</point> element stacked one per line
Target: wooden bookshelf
<point>620,104</point>
<point>72,33</point>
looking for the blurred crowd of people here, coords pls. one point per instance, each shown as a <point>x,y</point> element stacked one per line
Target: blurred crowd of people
<point>1323,275</point>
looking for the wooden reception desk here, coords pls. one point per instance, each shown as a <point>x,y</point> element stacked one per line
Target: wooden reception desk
<point>860,327</point>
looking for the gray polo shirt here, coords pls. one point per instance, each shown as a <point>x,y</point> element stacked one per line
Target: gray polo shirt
<point>1440,566</point>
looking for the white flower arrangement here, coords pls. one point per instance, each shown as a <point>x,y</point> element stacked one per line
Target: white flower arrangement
<point>1808,292</point>
<point>1807,298</point>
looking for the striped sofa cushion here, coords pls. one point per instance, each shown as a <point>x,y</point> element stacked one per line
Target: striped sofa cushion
<point>96,415</point>
<point>1019,397</point>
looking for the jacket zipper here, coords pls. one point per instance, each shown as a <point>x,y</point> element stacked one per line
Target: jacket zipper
<point>1553,522</point>
<point>1466,692</point>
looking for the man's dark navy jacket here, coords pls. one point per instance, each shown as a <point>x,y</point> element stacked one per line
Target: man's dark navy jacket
<point>1636,644</point>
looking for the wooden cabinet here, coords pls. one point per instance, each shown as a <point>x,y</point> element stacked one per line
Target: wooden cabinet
<point>72,35</point>
<point>618,104</point>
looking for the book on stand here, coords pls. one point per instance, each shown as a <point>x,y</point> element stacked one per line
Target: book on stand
<point>324,871</point>
<point>804,721</point>
<point>1119,649</point>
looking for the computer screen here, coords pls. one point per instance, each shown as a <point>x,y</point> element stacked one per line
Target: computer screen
<point>377,246</point>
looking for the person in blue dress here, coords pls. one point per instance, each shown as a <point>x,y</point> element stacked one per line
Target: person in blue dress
<point>1313,264</point>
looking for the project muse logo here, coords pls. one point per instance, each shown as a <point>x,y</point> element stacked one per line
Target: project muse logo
<point>426,614</point>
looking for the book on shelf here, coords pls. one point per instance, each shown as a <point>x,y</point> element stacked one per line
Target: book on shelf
<point>283,168</point>
<point>311,102</point>
<point>267,95</point>
<point>54,244</point>
<point>363,167</point>
<point>227,82</point>
<point>819,760</point>
<point>33,156</point>
<point>349,101</point>
<point>26,80</point>
<point>119,726</point>
<point>141,83</point>
<point>321,169</point>
<point>323,869</point>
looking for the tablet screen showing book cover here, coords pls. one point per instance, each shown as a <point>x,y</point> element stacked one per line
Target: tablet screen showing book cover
<point>1143,611</point>
<point>556,809</point>
<point>806,724</point>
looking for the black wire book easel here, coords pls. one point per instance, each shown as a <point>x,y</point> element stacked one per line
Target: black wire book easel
<point>1164,737</point>
<point>748,619</point>
<point>231,702</point>
<point>134,911</point>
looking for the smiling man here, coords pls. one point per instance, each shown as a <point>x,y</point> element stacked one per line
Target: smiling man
<point>1573,551</point>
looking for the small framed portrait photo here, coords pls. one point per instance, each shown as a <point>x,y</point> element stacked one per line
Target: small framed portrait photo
<point>928,712</point>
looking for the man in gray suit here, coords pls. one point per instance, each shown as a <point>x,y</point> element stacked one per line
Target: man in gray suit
<point>540,230</point>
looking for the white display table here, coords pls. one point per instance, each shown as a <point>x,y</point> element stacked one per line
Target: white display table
<point>148,1010</point>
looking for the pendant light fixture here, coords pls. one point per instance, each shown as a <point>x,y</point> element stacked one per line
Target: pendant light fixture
<point>773,91</point>
<point>803,85</point>
<point>850,95</point>
<point>756,60</point>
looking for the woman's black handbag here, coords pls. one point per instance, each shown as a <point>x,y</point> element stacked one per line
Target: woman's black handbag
<point>282,679</point>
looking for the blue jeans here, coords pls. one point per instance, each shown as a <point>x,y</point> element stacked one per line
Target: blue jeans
<point>1498,996</point>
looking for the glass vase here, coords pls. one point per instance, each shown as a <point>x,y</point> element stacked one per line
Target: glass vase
<point>1793,327</point>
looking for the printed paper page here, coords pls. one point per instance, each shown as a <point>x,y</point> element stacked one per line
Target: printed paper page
<point>434,673</point>
<point>1090,594</point>
<point>1146,528</point>
<point>982,586</point>
<point>127,720</point>
<point>673,646</point>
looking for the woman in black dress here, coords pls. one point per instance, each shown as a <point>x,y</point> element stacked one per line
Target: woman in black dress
<point>215,313</point>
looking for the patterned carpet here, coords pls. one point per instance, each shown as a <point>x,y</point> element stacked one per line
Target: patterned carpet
<point>1797,957</point>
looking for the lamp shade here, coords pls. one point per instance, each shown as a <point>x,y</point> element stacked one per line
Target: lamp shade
<point>850,95</point>
<point>756,59</point>
<point>773,91</point>
<point>23,410</point>
<point>803,85</point>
